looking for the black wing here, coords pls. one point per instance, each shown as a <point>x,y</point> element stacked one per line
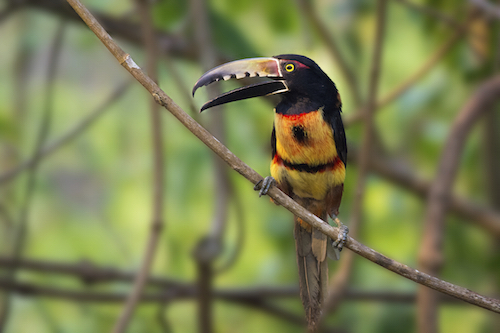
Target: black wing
<point>333,117</point>
<point>273,142</point>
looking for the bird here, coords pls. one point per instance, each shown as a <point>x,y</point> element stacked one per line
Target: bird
<point>309,155</point>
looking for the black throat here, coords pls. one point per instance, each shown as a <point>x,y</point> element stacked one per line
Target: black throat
<point>296,104</point>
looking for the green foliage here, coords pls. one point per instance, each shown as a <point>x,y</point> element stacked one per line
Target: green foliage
<point>229,39</point>
<point>169,14</point>
<point>93,196</point>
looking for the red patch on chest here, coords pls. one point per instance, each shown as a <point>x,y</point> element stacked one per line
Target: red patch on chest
<point>296,118</point>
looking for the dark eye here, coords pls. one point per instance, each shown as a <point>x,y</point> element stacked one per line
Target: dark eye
<point>289,67</point>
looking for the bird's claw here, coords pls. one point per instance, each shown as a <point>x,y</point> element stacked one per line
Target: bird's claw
<point>264,185</point>
<point>342,237</point>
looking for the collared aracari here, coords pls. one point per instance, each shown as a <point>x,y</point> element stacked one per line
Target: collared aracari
<point>309,154</point>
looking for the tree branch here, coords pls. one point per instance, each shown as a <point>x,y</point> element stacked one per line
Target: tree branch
<point>27,289</point>
<point>307,10</point>
<point>278,196</point>
<point>249,296</point>
<point>487,8</point>
<point>89,274</point>
<point>41,137</point>
<point>400,89</point>
<point>210,246</point>
<point>398,173</point>
<point>71,134</point>
<point>430,256</point>
<point>6,12</point>
<point>342,277</point>
<point>158,192</point>
<point>440,16</point>
<point>175,45</point>
<point>240,231</point>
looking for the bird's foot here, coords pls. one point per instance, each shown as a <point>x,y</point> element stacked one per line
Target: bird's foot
<point>264,185</point>
<point>342,237</point>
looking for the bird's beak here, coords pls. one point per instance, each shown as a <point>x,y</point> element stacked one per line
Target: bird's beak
<point>253,67</point>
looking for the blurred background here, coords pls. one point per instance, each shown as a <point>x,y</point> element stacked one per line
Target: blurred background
<point>77,161</point>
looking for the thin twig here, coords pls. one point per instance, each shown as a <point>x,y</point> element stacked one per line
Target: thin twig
<point>43,132</point>
<point>240,232</point>
<point>487,7</point>
<point>70,135</point>
<point>210,246</point>
<point>184,91</point>
<point>491,147</point>
<point>278,196</point>
<point>6,12</point>
<point>157,223</point>
<point>88,272</point>
<point>27,289</point>
<point>162,318</point>
<point>208,58</point>
<point>175,45</point>
<point>306,8</point>
<point>341,279</point>
<point>398,173</point>
<point>491,136</point>
<point>279,312</point>
<point>5,217</point>
<point>400,89</point>
<point>431,257</point>
<point>430,11</point>
<point>172,293</point>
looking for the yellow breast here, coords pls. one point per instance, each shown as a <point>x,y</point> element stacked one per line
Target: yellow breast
<point>315,146</point>
<point>306,156</point>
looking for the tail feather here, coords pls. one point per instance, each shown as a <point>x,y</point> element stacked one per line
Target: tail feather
<point>318,244</point>
<point>313,271</point>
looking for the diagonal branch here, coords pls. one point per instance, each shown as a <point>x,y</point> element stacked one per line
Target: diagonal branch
<point>278,196</point>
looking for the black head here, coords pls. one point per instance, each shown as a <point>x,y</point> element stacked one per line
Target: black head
<point>294,76</point>
<point>306,80</point>
<point>303,75</point>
